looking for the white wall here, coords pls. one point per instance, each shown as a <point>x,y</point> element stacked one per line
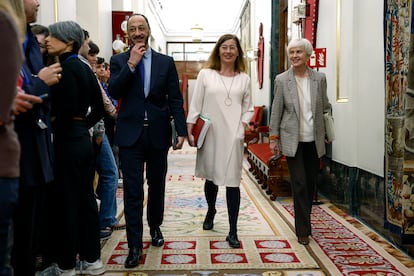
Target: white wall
<point>370,85</point>
<point>359,122</point>
<point>92,15</point>
<point>95,16</point>
<point>121,5</point>
<point>261,13</point>
<point>158,41</point>
<point>46,12</point>
<point>51,11</point>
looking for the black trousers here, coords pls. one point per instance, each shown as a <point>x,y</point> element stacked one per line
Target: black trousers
<point>142,155</point>
<point>74,227</point>
<point>28,226</point>
<point>9,194</point>
<point>303,169</point>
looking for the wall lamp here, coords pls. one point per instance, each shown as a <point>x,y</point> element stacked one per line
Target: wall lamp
<point>252,53</point>
<point>121,44</point>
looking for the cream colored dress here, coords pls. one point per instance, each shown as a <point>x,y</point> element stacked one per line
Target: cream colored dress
<point>221,157</point>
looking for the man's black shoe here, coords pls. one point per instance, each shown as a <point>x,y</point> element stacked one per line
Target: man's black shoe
<point>156,237</point>
<point>133,258</point>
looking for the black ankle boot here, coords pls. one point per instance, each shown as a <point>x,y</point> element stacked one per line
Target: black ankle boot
<point>209,220</point>
<point>233,240</point>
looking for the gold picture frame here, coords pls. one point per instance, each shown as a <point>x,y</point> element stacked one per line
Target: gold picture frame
<point>339,97</point>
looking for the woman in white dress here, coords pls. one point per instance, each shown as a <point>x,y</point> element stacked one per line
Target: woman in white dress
<point>222,93</point>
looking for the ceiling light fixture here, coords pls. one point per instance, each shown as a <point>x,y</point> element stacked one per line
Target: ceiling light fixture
<point>197,33</point>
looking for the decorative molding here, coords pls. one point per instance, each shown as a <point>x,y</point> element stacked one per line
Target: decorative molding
<point>56,11</point>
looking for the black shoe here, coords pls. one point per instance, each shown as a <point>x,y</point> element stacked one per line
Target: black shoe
<point>303,240</point>
<point>233,240</point>
<point>209,221</point>
<point>156,237</point>
<point>133,258</point>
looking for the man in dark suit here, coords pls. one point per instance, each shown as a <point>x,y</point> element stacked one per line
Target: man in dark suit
<point>147,84</point>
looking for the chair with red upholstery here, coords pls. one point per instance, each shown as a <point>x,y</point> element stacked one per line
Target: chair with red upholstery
<point>252,134</point>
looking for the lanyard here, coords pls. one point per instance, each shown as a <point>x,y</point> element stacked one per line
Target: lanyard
<point>25,77</point>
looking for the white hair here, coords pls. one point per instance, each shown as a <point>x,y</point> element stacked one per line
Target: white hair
<point>301,42</point>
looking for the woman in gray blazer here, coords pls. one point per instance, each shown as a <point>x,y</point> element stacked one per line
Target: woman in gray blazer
<point>297,128</point>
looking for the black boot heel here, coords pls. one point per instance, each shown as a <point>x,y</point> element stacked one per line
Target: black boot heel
<point>233,240</point>
<point>209,221</point>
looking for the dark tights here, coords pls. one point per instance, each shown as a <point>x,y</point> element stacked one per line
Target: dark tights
<point>233,202</point>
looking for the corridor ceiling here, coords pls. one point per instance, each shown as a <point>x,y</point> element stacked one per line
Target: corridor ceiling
<point>216,17</point>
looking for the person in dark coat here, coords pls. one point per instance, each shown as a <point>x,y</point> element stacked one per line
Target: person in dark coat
<point>11,60</point>
<point>34,132</point>
<point>76,106</point>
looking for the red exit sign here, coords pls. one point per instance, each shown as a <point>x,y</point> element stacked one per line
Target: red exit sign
<point>318,58</point>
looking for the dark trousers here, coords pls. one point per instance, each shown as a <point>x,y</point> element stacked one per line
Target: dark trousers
<point>133,160</point>
<point>28,226</point>
<point>303,169</point>
<point>74,227</point>
<point>8,201</point>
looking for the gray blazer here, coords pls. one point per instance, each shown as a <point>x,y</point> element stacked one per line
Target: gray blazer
<point>284,119</point>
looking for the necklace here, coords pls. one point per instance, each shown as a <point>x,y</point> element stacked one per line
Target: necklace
<point>227,101</point>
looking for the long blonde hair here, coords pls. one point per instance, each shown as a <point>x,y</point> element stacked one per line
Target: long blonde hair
<point>15,9</point>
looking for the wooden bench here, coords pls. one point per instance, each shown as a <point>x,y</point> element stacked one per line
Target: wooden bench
<point>270,172</point>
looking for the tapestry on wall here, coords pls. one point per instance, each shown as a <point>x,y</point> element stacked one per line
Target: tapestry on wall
<point>399,165</point>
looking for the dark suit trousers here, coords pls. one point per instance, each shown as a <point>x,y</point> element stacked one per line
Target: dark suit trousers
<point>303,169</point>
<point>132,160</point>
